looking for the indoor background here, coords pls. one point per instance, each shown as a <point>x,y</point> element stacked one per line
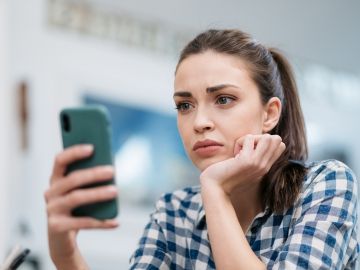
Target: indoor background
<point>122,54</point>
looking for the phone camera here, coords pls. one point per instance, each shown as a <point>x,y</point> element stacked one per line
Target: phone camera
<point>66,122</point>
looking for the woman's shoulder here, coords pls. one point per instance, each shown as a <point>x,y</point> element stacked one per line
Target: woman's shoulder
<point>327,164</point>
<point>329,178</point>
<point>328,170</point>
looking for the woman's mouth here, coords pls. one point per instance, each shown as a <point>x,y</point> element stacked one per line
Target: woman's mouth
<point>206,148</point>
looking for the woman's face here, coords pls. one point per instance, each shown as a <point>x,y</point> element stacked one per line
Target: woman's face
<point>217,103</point>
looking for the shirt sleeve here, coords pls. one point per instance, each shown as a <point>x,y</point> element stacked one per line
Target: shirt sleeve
<point>324,232</point>
<point>152,251</point>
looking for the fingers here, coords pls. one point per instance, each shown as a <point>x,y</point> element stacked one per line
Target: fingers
<point>65,194</point>
<point>269,148</point>
<point>268,145</point>
<point>59,224</point>
<point>64,204</point>
<point>80,178</point>
<point>279,150</point>
<point>248,141</point>
<point>262,149</point>
<point>260,142</point>
<point>69,155</point>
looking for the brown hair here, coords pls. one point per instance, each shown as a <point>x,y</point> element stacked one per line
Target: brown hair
<point>274,77</point>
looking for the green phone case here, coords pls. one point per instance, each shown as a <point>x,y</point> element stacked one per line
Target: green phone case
<point>90,125</point>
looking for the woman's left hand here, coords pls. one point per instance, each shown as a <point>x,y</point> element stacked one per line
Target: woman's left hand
<point>253,157</point>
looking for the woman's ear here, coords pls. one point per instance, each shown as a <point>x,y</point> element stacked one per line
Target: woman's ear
<point>272,112</point>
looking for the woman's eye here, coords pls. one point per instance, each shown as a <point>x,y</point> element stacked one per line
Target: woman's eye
<point>183,106</point>
<point>224,100</point>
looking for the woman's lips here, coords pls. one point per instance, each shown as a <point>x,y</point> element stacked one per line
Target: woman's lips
<point>206,148</point>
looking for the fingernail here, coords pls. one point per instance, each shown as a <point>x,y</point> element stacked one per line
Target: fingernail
<point>114,223</point>
<point>88,148</point>
<point>108,168</point>
<point>112,189</point>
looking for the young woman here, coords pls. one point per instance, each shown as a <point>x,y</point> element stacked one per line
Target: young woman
<point>259,205</point>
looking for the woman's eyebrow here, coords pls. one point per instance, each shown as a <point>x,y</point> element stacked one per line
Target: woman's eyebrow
<point>209,90</point>
<point>215,88</point>
<point>182,94</point>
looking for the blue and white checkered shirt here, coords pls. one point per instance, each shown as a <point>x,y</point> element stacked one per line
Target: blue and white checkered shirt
<point>318,232</point>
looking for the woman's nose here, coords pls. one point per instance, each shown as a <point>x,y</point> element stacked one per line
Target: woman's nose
<point>203,122</point>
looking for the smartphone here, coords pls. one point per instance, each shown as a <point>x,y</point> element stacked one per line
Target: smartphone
<point>90,125</point>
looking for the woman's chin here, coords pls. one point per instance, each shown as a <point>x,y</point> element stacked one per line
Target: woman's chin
<point>203,164</point>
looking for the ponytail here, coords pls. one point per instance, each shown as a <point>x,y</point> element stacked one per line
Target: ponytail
<point>283,182</point>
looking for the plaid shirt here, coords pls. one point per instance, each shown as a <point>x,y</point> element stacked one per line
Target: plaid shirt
<point>318,232</point>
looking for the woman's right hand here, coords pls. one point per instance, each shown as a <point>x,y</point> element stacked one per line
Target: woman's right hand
<point>63,195</point>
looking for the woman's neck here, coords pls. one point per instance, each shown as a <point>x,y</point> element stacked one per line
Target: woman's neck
<point>247,204</point>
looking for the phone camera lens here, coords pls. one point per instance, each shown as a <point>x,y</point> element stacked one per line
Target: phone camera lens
<point>66,122</point>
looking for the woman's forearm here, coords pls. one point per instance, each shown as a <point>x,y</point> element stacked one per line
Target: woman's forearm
<point>228,242</point>
<point>64,251</point>
<point>76,262</point>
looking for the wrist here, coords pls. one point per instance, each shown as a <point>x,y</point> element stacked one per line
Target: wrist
<point>75,261</point>
<point>213,190</point>
<point>215,187</point>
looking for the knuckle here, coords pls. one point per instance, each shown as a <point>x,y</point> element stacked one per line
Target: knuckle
<point>82,177</point>
<point>277,138</point>
<point>265,138</point>
<point>47,195</point>
<point>76,178</point>
<point>49,209</point>
<point>263,167</point>
<point>52,178</point>
<point>74,198</point>
<point>281,148</point>
<point>82,196</point>
<point>59,160</point>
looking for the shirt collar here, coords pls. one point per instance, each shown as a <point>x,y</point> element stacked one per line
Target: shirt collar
<point>200,220</point>
<point>258,220</point>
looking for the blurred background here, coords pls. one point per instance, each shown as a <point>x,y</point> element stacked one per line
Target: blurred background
<point>122,54</point>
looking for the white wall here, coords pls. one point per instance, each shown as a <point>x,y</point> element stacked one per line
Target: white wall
<point>10,158</point>
<point>8,143</point>
<point>3,121</point>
